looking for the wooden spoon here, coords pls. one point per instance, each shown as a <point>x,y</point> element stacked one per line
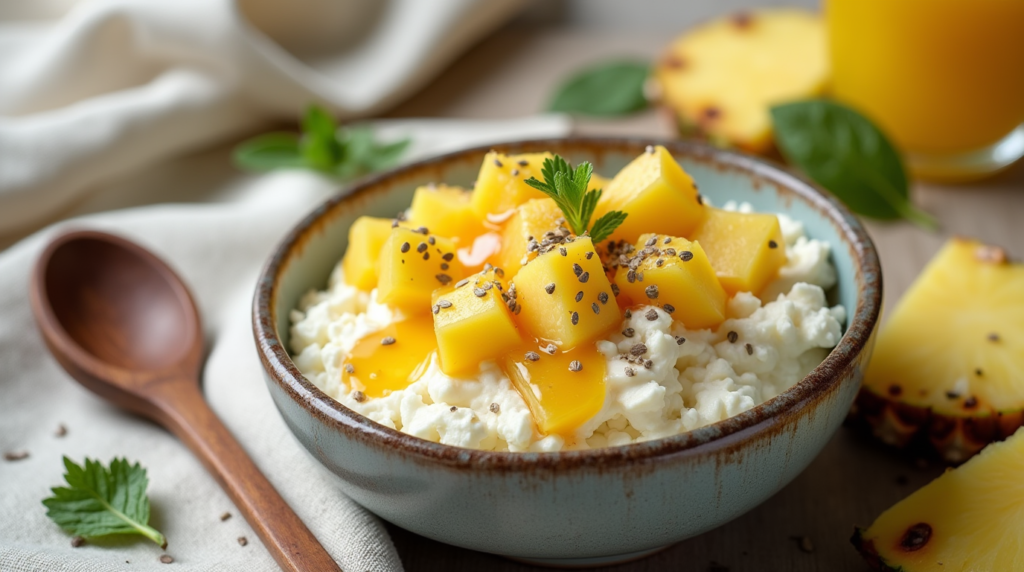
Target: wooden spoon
<point>122,323</point>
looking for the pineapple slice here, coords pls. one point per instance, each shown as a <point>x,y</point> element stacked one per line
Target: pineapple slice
<point>565,296</point>
<point>949,364</point>
<point>563,390</point>
<point>412,265</point>
<point>500,185</point>
<point>656,194</point>
<point>473,323</point>
<point>531,220</point>
<point>722,77</point>
<point>366,237</point>
<point>445,211</point>
<point>970,518</point>
<point>675,274</point>
<point>745,249</point>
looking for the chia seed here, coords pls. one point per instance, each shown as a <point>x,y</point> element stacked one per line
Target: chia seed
<point>595,308</point>
<point>603,297</point>
<point>494,408</point>
<point>630,372</point>
<point>444,279</point>
<point>651,315</point>
<point>733,336</point>
<point>532,356</point>
<point>575,318</point>
<point>358,396</point>
<point>669,308</point>
<point>686,256</point>
<point>479,292</point>
<point>628,332</point>
<point>651,291</point>
<point>550,288</point>
<point>577,269</point>
<point>584,277</point>
<point>405,247</point>
<point>579,295</point>
<point>387,341</point>
<point>575,365</point>
<point>638,350</point>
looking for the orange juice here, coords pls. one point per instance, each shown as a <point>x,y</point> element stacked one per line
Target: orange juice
<point>939,76</point>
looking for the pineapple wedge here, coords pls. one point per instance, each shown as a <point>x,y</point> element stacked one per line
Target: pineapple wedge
<point>446,211</point>
<point>970,518</point>
<point>412,265</point>
<point>501,184</point>
<point>531,220</point>
<point>722,77</point>
<point>949,364</point>
<point>745,249</point>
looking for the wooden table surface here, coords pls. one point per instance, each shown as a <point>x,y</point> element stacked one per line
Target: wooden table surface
<point>853,480</point>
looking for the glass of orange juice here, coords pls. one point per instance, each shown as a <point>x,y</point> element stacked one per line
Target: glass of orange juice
<point>943,78</point>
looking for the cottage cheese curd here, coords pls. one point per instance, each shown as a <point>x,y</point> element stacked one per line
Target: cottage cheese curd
<point>685,379</point>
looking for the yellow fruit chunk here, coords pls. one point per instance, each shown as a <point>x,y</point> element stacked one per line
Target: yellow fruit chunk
<point>657,196</point>
<point>598,182</point>
<point>677,276</point>
<point>472,323</point>
<point>561,394</point>
<point>970,518</point>
<point>390,359</point>
<point>532,219</point>
<point>366,237</point>
<point>745,249</point>
<point>721,78</point>
<point>566,298</point>
<point>412,266</point>
<point>949,363</point>
<point>500,185</point>
<point>445,211</point>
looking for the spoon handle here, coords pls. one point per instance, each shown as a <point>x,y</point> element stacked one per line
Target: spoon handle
<point>293,546</point>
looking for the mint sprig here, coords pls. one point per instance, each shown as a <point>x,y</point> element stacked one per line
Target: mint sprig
<point>568,188</point>
<point>344,153</point>
<point>99,501</point>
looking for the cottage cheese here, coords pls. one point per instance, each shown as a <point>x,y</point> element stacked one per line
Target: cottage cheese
<point>689,384</point>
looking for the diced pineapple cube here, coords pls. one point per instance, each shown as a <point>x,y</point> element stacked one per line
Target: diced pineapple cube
<point>565,296</point>
<point>561,395</point>
<point>366,237</point>
<point>500,185</point>
<point>445,211</point>
<point>412,266</point>
<point>657,195</point>
<point>472,324</point>
<point>532,218</point>
<point>745,249</point>
<point>677,276</point>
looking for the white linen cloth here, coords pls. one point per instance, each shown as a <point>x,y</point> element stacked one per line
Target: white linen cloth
<point>109,86</point>
<point>218,249</point>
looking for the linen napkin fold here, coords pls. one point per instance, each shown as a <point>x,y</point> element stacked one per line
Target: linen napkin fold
<point>114,85</point>
<point>218,249</point>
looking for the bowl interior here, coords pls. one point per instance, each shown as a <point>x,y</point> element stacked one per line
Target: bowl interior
<point>720,176</point>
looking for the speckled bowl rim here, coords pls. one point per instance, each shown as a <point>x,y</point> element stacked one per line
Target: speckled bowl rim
<point>766,419</point>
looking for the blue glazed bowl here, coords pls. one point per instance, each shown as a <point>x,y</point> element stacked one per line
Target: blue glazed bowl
<point>576,507</point>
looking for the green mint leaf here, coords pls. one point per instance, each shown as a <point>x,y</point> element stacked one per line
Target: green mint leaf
<point>609,89</point>
<point>606,225</point>
<point>589,204</point>
<point>99,501</point>
<point>270,151</point>
<point>847,154</point>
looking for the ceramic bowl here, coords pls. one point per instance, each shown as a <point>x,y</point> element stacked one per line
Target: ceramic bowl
<point>576,507</point>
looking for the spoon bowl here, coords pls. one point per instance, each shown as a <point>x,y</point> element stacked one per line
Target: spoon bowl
<point>123,324</point>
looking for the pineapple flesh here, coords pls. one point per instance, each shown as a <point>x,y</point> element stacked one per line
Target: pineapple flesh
<point>970,518</point>
<point>722,77</point>
<point>949,364</point>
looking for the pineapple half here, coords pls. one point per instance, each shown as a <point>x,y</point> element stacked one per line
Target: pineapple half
<point>948,367</point>
<point>970,518</point>
<point>721,78</point>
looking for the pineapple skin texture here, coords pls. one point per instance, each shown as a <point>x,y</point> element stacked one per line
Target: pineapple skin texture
<point>550,316</point>
<point>974,518</point>
<point>688,286</point>
<point>948,313</point>
<point>474,328</point>
<point>407,280</point>
<point>656,194</point>
<point>532,218</point>
<point>739,246</point>
<point>722,77</point>
<point>445,211</point>
<point>500,189</point>
<point>366,237</point>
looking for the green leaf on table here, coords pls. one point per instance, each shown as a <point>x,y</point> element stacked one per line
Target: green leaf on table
<point>568,188</point>
<point>847,154</point>
<point>344,153</point>
<point>270,151</point>
<point>99,501</point>
<point>610,89</point>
